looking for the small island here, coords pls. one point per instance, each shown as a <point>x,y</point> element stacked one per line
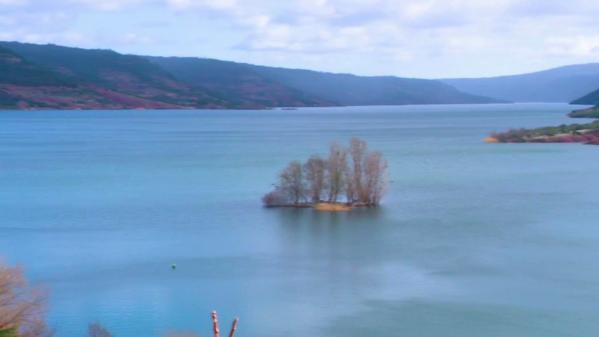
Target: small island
<point>348,178</point>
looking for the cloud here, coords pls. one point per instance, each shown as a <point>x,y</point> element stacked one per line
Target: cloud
<point>13,2</point>
<point>108,5</point>
<point>414,37</point>
<point>577,46</point>
<point>207,4</point>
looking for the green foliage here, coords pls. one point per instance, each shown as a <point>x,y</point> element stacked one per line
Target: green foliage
<point>7,100</point>
<point>590,98</point>
<point>63,77</point>
<point>12,332</point>
<point>16,70</point>
<point>585,113</point>
<point>526,135</point>
<point>90,65</point>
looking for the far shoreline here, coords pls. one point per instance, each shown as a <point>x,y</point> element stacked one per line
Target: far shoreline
<point>263,108</point>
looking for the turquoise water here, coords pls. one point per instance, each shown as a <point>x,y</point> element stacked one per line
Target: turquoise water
<point>473,239</point>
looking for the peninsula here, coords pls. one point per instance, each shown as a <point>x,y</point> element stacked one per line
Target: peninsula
<point>592,112</point>
<point>587,133</point>
<point>575,133</point>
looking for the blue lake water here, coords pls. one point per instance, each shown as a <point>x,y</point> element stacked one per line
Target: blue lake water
<point>472,240</point>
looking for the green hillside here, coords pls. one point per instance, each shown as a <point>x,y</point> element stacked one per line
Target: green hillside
<point>124,74</point>
<point>24,84</point>
<point>590,98</point>
<point>14,69</point>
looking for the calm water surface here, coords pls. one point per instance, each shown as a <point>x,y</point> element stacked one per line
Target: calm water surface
<point>473,240</point>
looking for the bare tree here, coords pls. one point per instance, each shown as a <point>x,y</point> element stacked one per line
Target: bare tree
<point>292,182</point>
<point>97,330</point>
<point>337,169</point>
<point>22,308</point>
<point>363,179</point>
<point>355,189</point>
<point>315,171</point>
<point>277,197</point>
<point>215,328</point>
<point>375,175</point>
<point>234,327</point>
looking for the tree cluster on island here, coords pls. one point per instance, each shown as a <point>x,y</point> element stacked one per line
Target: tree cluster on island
<point>353,176</point>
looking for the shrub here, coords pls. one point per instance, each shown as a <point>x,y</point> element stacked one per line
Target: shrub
<point>22,308</point>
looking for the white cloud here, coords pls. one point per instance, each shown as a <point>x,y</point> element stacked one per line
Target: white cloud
<point>13,2</point>
<point>135,39</point>
<point>210,4</point>
<point>577,46</point>
<point>108,5</point>
<point>409,37</point>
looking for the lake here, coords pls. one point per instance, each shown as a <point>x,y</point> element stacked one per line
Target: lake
<point>472,240</point>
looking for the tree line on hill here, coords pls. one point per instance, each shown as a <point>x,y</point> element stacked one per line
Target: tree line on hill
<point>354,176</point>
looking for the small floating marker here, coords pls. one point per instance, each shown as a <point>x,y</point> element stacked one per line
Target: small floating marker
<point>173,266</point>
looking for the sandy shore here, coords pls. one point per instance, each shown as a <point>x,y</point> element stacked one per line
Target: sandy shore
<point>332,207</point>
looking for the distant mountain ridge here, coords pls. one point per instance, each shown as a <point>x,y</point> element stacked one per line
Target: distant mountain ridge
<point>562,84</point>
<point>310,87</point>
<point>50,76</point>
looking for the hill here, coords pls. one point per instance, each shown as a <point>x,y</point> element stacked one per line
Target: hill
<point>232,80</point>
<point>18,71</point>
<point>27,85</point>
<point>109,79</point>
<point>590,98</point>
<point>235,82</point>
<point>51,76</point>
<point>350,89</point>
<point>562,84</point>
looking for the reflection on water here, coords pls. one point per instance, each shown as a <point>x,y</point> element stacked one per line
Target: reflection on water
<point>307,220</point>
<point>331,234</point>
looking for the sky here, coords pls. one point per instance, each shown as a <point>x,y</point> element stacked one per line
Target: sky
<point>408,38</point>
